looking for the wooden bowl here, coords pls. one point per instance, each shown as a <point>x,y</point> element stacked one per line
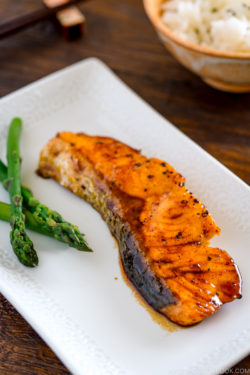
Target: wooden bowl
<point>227,71</point>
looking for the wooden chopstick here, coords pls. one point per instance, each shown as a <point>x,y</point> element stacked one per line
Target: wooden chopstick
<point>22,22</point>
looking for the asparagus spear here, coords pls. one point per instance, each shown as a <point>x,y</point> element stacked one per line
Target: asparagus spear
<point>22,245</point>
<point>30,222</point>
<point>50,221</point>
<point>53,222</point>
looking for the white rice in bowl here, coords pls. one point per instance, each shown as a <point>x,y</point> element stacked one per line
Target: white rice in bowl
<point>219,24</point>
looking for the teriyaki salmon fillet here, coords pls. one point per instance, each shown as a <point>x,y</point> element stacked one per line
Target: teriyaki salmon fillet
<point>162,229</point>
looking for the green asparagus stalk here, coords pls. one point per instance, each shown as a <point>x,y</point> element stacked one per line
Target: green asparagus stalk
<point>22,245</point>
<point>49,221</point>
<point>53,222</point>
<point>30,222</point>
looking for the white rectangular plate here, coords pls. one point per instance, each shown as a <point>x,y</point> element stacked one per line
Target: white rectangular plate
<point>72,299</point>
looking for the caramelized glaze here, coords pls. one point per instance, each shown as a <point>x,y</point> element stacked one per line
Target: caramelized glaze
<point>162,229</point>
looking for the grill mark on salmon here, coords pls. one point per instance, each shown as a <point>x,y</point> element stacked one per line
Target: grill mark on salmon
<point>163,231</point>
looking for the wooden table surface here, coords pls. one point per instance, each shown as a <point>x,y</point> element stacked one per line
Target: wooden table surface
<point>119,34</point>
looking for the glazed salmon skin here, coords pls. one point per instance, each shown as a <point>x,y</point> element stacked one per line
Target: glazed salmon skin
<point>162,229</point>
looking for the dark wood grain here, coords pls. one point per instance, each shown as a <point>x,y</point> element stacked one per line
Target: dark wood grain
<point>120,34</point>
